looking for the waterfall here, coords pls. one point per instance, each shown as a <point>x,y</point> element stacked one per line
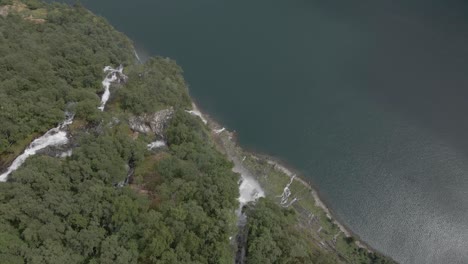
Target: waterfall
<point>65,154</point>
<point>112,76</point>
<point>219,131</point>
<point>136,56</point>
<point>156,144</point>
<point>196,112</point>
<point>287,192</point>
<point>249,190</point>
<point>54,137</point>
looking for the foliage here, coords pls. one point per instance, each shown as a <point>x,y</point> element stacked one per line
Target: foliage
<point>70,211</point>
<point>153,86</point>
<point>196,191</point>
<point>273,237</point>
<point>179,206</point>
<point>310,220</point>
<point>75,210</point>
<point>43,66</point>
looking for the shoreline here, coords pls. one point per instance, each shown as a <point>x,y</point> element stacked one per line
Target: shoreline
<point>216,128</point>
<point>319,202</point>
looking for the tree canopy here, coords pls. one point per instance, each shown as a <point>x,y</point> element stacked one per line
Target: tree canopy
<point>180,205</point>
<point>113,200</point>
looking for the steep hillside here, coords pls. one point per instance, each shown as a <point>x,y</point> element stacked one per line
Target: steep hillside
<point>104,162</point>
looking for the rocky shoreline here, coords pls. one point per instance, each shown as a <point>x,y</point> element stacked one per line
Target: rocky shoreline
<point>228,144</point>
<point>318,201</point>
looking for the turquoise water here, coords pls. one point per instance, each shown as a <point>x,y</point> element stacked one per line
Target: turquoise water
<point>367,99</point>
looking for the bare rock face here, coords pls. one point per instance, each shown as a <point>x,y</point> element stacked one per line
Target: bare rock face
<point>151,123</point>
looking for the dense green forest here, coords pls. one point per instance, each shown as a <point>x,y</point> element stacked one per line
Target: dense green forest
<point>273,237</point>
<point>70,210</point>
<point>44,65</point>
<point>179,205</point>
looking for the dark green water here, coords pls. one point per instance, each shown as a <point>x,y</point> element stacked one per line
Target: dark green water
<point>367,98</point>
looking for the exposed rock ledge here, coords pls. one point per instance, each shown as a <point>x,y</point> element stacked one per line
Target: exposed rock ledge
<point>151,123</point>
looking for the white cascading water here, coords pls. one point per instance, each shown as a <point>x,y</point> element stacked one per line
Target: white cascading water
<point>287,192</point>
<point>136,56</point>
<point>196,112</point>
<point>249,188</point>
<point>249,191</point>
<point>112,76</point>
<point>156,144</point>
<point>65,154</point>
<point>54,137</point>
<point>219,131</point>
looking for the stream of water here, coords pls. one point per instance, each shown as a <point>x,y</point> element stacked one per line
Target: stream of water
<point>367,99</point>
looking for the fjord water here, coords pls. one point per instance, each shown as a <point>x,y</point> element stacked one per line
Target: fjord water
<point>368,99</point>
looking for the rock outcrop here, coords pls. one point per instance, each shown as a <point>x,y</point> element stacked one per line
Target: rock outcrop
<point>151,123</point>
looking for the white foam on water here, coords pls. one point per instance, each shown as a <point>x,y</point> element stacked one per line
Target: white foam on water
<point>54,137</point>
